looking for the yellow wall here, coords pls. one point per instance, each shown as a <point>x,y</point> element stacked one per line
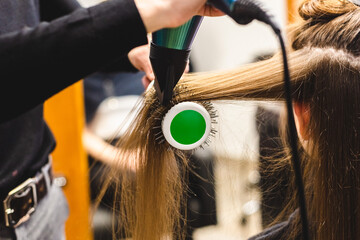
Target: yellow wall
<point>65,114</point>
<point>292,10</point>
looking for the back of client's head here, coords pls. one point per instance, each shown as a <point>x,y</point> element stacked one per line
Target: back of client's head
<point>324,66</point>
<point>331,89</point>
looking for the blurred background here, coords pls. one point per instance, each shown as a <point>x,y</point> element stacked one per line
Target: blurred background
<point>232,199</point>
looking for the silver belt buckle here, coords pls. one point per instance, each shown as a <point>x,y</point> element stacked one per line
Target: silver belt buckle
<point>21,189</point>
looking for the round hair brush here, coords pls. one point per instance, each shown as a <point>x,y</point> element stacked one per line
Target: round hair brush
<point>186,125</point>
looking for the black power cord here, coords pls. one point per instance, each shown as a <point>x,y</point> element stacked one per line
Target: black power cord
<point>243,12</point>
<point>293,144</point>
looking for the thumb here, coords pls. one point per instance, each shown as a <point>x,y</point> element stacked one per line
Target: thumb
<point>149,72</point>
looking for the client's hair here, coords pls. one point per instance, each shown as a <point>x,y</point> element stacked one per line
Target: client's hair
<point>324,65</point>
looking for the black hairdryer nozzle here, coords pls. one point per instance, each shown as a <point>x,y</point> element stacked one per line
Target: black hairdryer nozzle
<point>168,65</point>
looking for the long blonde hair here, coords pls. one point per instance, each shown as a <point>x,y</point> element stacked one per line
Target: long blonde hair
<point>324,67</point>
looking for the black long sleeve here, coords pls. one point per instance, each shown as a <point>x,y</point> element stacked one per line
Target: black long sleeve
<point>52,9</point>
<point>38,62</point>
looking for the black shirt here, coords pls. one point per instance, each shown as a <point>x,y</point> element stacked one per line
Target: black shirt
<point>42,51</point>
<point>279,231</point>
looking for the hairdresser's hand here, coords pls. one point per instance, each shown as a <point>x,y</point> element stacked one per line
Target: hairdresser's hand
<point>158,14</point>
<point>139,58</point>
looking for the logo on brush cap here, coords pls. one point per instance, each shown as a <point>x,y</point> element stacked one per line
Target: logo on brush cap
<point>186,125</point>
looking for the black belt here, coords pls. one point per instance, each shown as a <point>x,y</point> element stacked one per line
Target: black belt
<point>22,201</point>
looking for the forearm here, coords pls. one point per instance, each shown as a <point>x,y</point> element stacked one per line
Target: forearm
<point>121,65</point>
<point>52,9</point>
<point>39,62</point>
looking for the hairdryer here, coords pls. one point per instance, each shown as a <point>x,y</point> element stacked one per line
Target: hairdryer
<point>169,55</point>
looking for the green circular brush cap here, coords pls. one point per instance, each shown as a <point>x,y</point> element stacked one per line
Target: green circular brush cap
<point>188,127</point>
